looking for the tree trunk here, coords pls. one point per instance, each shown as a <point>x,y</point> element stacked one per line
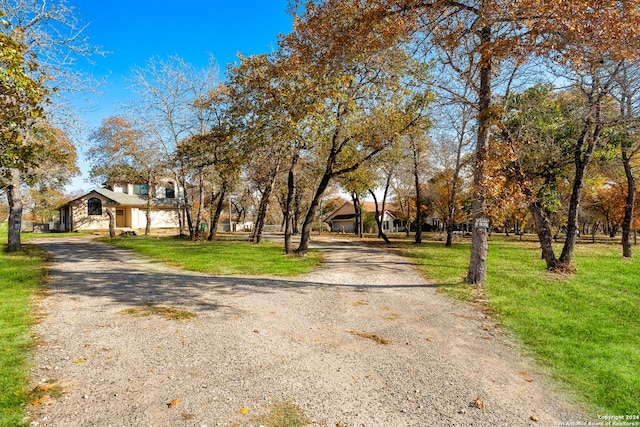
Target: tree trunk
<point>112,223</point>
<point>581,162</point>
<point>288,214</point>
<point>297,211</point>
<point>288,217</point>
<point>305,236</point>
<point>256,235</point>
<point>212,202</point>
<point>416,181</point>
<point>357,207</point>
<point>198,230</point>
<point>589,135</point>
<point>407,228</point>
<point>179,205</point>
<point>545,235</point>
<point>629,204</point>
<point>381,233</point>
<point>147,228</point>
<point>218,212</point>
<point>480,244</point>
<point>187,207</point>
<point>14,198</point>
<point>454,188</point>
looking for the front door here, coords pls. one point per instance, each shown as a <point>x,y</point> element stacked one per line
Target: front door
<point>120,219</point>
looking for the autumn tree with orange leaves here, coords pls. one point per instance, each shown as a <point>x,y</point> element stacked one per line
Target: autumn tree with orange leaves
<point>578,35</point>
<point>365,97</point>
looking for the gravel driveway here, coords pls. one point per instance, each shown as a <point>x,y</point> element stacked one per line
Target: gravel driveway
<point>258,340</point>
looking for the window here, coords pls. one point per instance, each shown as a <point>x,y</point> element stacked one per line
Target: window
<point>141,189</point>
<point>94,206</point>
<point>170,193</point>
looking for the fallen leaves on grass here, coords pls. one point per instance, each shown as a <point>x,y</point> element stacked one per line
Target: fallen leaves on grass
<point>375,337</point>
<point>44,394</point>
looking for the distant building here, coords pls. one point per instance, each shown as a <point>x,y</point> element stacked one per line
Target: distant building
<point>343,219</point>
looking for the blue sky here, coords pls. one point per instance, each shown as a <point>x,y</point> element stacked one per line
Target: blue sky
<point>137,30</point>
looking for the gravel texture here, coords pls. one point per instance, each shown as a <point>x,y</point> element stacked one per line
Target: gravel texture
<point>257,341</point>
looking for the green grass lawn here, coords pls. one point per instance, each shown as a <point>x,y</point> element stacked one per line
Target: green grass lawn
<point>221,257</point>
<point>585,327</point>
<point>21,275</point>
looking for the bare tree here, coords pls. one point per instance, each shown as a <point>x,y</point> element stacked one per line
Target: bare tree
<point>172,93</point>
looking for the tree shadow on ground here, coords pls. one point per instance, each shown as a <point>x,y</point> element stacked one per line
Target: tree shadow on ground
<point>85,268</point>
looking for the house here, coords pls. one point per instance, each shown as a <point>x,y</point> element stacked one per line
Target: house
<point>343,219</point>
<point>128,203</point>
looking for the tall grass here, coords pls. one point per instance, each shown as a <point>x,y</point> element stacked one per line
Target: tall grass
<point>585,327</point>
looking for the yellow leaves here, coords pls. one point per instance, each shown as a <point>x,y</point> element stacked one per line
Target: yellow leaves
<point>173,403</point>
<point>45,387</point>
<point>244,410</point>
<point>478,403</point>
<point>45,400</point>
<point>78,361</point>
<point>44,394</point>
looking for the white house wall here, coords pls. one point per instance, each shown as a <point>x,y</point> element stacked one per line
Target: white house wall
<point>160,218</point>
<point>344,226</point>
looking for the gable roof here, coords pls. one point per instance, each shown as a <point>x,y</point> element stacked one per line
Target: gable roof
<point>127,199</point>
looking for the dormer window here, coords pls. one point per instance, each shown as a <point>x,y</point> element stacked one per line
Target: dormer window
<point>141,189</point>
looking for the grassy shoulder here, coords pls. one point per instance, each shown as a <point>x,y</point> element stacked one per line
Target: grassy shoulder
<point>585,327</point>
<point>21,275</point>
<point>220,257</point>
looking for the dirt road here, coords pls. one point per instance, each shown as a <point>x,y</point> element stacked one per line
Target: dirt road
<point>314,341</point>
